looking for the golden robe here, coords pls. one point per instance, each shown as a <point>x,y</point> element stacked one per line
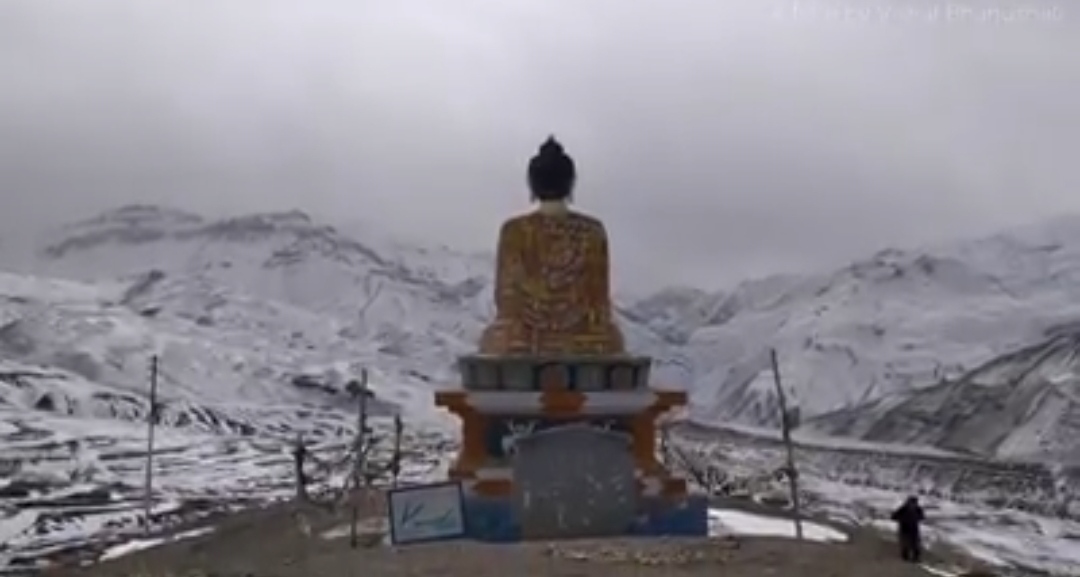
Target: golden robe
<point>552,288</point>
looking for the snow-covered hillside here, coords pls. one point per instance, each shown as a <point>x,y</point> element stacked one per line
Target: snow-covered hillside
<point>405,310</point>
<point>253,354</point>
<point>895,323</point>
<point>1021,405</point>
<point>248,302</point>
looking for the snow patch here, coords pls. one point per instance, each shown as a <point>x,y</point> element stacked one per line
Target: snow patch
<point>732,522</point>
<point>136,545</point>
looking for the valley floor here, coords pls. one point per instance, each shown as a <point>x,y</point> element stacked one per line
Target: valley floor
<point>273,543</point>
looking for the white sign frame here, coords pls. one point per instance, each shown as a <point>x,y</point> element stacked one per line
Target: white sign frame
<point>411,517</point>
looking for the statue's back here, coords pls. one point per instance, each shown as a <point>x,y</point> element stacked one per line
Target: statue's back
<point>552,287</point>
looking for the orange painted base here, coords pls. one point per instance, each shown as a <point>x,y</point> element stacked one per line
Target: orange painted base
<point>556,404</point>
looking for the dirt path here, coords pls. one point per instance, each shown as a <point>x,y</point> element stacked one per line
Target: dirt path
<point>272,543</point>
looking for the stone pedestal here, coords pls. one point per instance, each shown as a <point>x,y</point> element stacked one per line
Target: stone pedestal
<point>564,447</point>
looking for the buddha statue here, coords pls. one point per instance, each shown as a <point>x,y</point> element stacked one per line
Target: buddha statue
<point>552,281</point>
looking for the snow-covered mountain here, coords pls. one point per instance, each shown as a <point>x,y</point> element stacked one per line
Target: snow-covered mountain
<point>1020,405</point>
<point>249,303</point>
<point>404,312</point>
<point>898,326</point>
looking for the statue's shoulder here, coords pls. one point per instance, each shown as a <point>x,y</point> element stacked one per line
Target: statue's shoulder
<point>529,220</point>
<point>514,223</point>
<point>587,222</point>
<point>518,220</point>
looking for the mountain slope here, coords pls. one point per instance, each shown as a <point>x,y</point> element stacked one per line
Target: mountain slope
<point>1021,405</point>
<point>854,339</point>
<point>407,305</point>
<point>78,350</point>
<point>233,395</point>
<point>898,321</point>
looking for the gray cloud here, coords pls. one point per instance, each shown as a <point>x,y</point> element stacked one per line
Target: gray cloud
<point>718,138</point>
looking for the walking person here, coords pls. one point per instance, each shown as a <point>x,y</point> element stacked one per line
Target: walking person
<point>909,517</point>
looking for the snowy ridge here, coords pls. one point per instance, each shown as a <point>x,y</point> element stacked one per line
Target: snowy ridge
<point>405,305</point>
<point>1024,404</point>
<point>890,325</point>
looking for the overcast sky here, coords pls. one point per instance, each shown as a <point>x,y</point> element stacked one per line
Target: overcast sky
<point>717,138</point>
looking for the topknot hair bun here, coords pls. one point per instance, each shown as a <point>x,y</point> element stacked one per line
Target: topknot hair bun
<point>551,172</point>
<point>551,148</point>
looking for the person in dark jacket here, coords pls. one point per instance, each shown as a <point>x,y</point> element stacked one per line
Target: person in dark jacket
<point>908,519</point>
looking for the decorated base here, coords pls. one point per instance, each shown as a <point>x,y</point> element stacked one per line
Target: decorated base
<point>558,447</point>
<point>495,520</point>
<point>491,420</point>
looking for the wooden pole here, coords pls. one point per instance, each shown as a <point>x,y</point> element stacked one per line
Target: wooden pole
<point>360,465</point>
<point>785,426</point>
<point>151,420</point>
<point>664,449</point>
<point>299,460</point>
<point>399,429</point>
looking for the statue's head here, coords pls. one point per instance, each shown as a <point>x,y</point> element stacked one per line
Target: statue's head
<point>552,173</point>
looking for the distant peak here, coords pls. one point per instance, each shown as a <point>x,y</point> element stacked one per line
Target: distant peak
<point>169,220</point>
<point>140,215</point>
<point>287,217</point>
<point>136,209</point>
<point>255,225</point>
<point>290,234</point>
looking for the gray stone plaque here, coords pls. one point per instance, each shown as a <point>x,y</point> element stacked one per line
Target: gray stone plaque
<point>574,481</point>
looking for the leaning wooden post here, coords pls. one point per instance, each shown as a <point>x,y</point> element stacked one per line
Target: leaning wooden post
<point>785,427</point>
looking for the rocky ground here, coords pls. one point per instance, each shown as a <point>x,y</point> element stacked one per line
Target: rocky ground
<point>284,541</point>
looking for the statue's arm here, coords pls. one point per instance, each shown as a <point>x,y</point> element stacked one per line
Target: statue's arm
<point>603,291</point>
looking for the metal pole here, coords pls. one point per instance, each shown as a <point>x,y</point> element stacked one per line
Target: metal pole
<point>151,421</point>
<point>785,426</point>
